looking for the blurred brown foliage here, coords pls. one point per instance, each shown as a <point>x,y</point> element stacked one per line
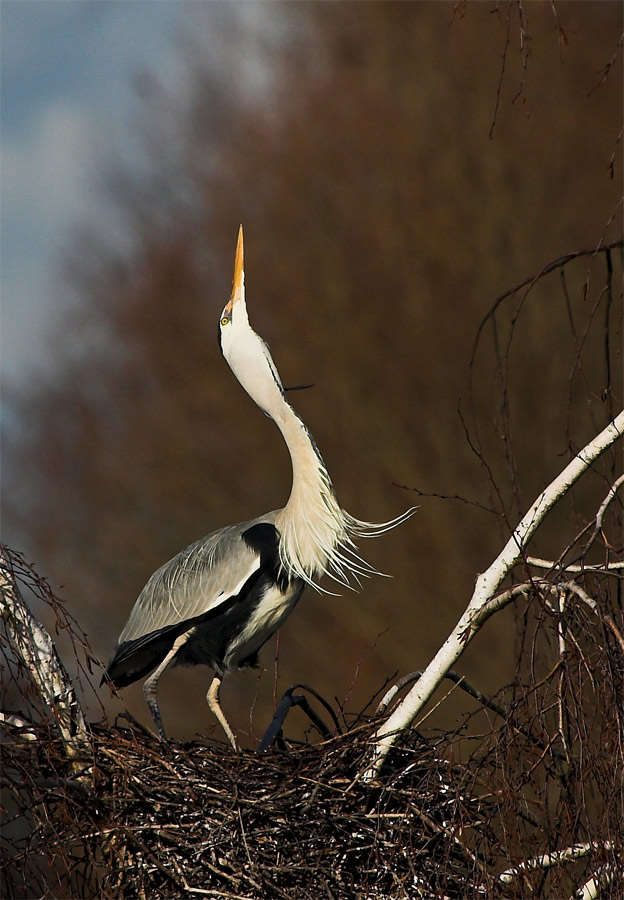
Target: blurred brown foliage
<point>402,166</point>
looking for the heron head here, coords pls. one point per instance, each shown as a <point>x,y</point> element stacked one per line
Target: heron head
<point>235,310</point>
<point>246,353</point>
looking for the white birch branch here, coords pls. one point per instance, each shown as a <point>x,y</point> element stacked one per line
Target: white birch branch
<point>23,727</point>
<point>547,860</point>
<point>601,879</point>
<point>484,600</point>
<point>603,508</point>
<point>34,646</point>
<point>573,569</point>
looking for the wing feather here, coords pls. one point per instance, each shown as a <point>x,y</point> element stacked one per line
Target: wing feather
<point>195,581</point>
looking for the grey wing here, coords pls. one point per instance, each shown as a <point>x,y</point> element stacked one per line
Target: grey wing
<point>198,579</point>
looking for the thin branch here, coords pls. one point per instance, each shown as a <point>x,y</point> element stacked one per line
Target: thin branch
<point>561,32</point>
<point>592,888</point>
<point>484,600</point>
<point>24,728</point>
<point>474,692</point>
<point>533,279</point>
<point>547,860</point>
<point>499,87</point>
<point>578,590</point>
<point>616,631</point>
<point>524,51</point>
<point>602,510</point>
<point>612,160</point>
<point>415,490</point>
<point>551,564</point>
<point>606,69</point>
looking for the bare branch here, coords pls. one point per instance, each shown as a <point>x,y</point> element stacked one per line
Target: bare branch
<point>599,880</point>
<point>22,726</point>
<point>616,631</point>
<point>556,858</point>
<point>552,564</point>
<point>532,280</point>
<point>606,69</point>
<point>602,510</point>
<point>34,646</point>
<point>484,600</point>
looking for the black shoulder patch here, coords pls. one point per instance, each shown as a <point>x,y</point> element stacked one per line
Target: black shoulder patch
<point>264,539</point>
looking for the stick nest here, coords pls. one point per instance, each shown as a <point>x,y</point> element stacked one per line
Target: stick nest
<point>168,820</point>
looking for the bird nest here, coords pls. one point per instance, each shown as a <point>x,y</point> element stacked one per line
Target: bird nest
<point>155,820</point>
<point>497,808</point>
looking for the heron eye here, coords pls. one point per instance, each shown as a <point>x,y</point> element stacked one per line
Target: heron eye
<point>224,320</point>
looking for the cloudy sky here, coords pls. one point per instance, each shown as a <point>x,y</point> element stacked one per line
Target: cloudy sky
<point>67,110</point>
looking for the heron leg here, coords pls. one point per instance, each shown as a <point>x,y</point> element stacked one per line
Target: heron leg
<point>149,685</point>
<point>149,691</point>
<point>213,702</point>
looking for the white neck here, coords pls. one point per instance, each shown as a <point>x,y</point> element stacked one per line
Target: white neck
<point>316,535</point>
<point>312,524</point>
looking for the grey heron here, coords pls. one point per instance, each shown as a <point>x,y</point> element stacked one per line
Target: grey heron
<point>219,600</point>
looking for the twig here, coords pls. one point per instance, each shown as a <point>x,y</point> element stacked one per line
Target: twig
<point>617,633</point>
<point>604,72</point>
<point>406,487</point>
<point>501,76</point>
<point>602,510</point>
<point>474,692</point>
<point>533,279</point>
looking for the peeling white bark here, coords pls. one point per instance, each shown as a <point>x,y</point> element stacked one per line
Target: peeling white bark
<point>34,646</point>
<point>590,890</point>
<point>548,860</point>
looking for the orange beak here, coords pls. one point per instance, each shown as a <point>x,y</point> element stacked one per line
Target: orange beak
<point>239,272</point>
